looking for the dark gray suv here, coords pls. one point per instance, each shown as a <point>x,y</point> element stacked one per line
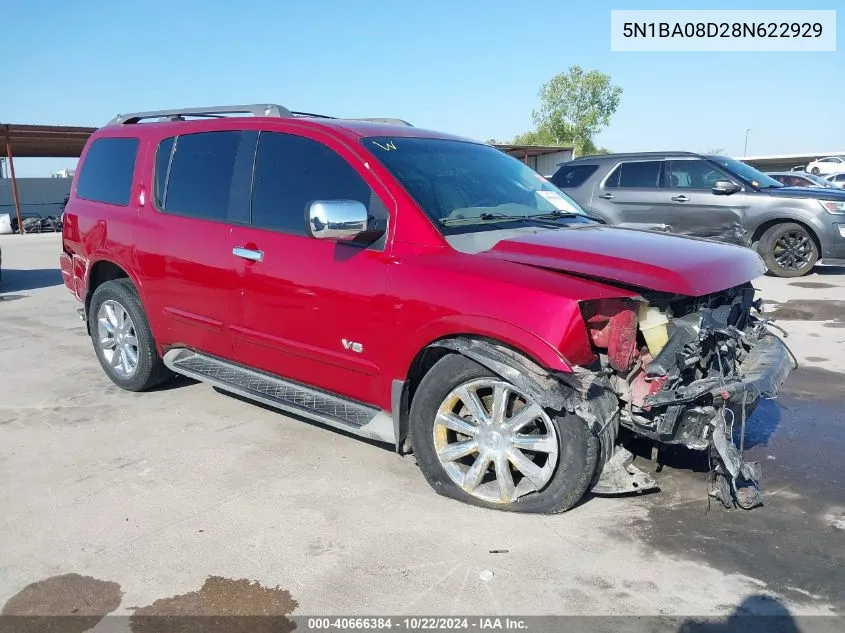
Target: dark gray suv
<point>713,197</point>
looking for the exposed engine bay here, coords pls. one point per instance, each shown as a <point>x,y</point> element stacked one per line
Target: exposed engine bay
<point>687,371</point>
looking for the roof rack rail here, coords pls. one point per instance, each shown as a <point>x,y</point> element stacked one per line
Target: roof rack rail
<point>255,109</point>
<point>384,120</point>
<point>311,114</point>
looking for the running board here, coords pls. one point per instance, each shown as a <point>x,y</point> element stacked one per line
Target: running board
<point>336,411</point>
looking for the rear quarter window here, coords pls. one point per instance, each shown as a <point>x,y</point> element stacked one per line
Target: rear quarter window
<point>106,174</point>
<point>570,176</point>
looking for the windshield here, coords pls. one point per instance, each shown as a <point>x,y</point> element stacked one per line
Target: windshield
<point>459,183</point>
<point>746,172</point>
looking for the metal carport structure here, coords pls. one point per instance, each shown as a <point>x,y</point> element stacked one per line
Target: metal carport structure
<point>39,141</point>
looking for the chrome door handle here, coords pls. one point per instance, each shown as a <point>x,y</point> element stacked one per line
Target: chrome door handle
<point>607,196</point>
<point>248,253</point>
<point>681,198</point>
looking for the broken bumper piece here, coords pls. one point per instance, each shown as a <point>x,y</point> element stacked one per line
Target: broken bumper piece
<point>710,413</point>
<point>620,476</point>
<point>761,375</point>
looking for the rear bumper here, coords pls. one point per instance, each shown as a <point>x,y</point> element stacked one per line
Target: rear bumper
<point>66,266</point>
<point>73,274</point>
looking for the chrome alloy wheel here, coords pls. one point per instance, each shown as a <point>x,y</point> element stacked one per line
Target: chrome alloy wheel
<point>118,339</point>
<point>494,441</point>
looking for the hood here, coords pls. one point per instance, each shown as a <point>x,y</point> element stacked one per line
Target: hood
<point>816,193</point>
<point>645,259</point>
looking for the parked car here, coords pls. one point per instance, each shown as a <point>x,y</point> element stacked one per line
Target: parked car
<point>792,179</point>
<point>415,288</point>
<point>827,165</point>
<point>714,197</point>
<point>837,180</point>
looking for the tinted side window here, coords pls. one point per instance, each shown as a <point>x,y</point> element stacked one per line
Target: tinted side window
<point>573,175</point>
<point>694,174</point>
<point>291,172</point>
<point>201,173</point>
<point>107,172</point>
<point>641,175</point>
<point>161,167</point>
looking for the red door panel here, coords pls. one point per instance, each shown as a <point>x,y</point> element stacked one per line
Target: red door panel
<point>299,304</point>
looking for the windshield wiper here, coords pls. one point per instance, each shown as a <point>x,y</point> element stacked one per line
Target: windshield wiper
<point>557,213</point>
<point>484,217</point>
<point>506,217</point>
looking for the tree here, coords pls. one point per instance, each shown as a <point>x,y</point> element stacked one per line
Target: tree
<point>574,107</point>
<point>536,137</point>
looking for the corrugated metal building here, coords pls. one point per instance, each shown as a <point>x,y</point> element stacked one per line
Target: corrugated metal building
<point>38,196</point>
<point>544,159</point>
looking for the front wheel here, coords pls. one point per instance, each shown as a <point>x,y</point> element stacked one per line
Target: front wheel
<point>815,170</point>
<point>479,439</point>
<point>788,250</point>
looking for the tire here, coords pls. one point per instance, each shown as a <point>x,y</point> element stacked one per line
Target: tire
<point>573,469</point>
<point>771,247</point>
<point>815,170</point>
<point>148,370</point>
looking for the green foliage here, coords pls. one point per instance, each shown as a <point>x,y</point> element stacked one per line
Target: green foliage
<point>574,107</point>
<point>536,137</point>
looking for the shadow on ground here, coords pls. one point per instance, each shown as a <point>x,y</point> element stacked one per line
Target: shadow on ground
<point>15,280</point>
<point>829,270</point>
<point>756,614</point>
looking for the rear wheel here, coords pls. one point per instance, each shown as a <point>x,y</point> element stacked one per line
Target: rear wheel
<point>788,250</point>
<point>122,337</point>
<point>479,439</point>
<point>815,170</point>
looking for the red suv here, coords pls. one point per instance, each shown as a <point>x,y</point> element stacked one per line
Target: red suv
<point>419,289</point>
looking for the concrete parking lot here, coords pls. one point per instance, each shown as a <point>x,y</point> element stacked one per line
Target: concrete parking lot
<point>153,494</point>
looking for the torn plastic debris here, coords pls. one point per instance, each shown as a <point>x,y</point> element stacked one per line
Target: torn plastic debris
<point>736,483</point>
<point>619,475</point>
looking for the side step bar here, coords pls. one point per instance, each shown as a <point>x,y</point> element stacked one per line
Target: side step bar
<point>320,406</point>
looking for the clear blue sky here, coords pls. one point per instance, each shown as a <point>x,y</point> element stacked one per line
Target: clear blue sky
<point>470,67</point>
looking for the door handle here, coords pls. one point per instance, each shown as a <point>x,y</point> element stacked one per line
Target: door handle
<point>681,198</point>
<point>607,196</point>
<point>248,253</point>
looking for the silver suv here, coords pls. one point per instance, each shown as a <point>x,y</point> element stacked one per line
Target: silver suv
<point>714,197</point>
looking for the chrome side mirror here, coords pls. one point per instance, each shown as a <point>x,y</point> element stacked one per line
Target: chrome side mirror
<point>342,220</point>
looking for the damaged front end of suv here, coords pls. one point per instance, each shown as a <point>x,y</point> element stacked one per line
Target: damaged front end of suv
<point>683,370</point>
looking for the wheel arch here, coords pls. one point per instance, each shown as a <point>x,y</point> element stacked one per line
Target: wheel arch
<point>99,272</point>
<point>503,359</point>
<point>765,226</point>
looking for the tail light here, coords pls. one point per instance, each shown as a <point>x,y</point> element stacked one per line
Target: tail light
<point>612,326</point>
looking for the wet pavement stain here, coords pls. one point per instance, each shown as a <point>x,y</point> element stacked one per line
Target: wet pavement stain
<point>82,601</point>
<point>791,543</point>
<point>221,604</point>
<point>817,359</point>
<point>12,297</point>
<point>807,310</point>
<point>814,382</point>
<point>812,284</point>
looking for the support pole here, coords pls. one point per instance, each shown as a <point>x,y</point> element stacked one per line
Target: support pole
<point>14,183</point>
